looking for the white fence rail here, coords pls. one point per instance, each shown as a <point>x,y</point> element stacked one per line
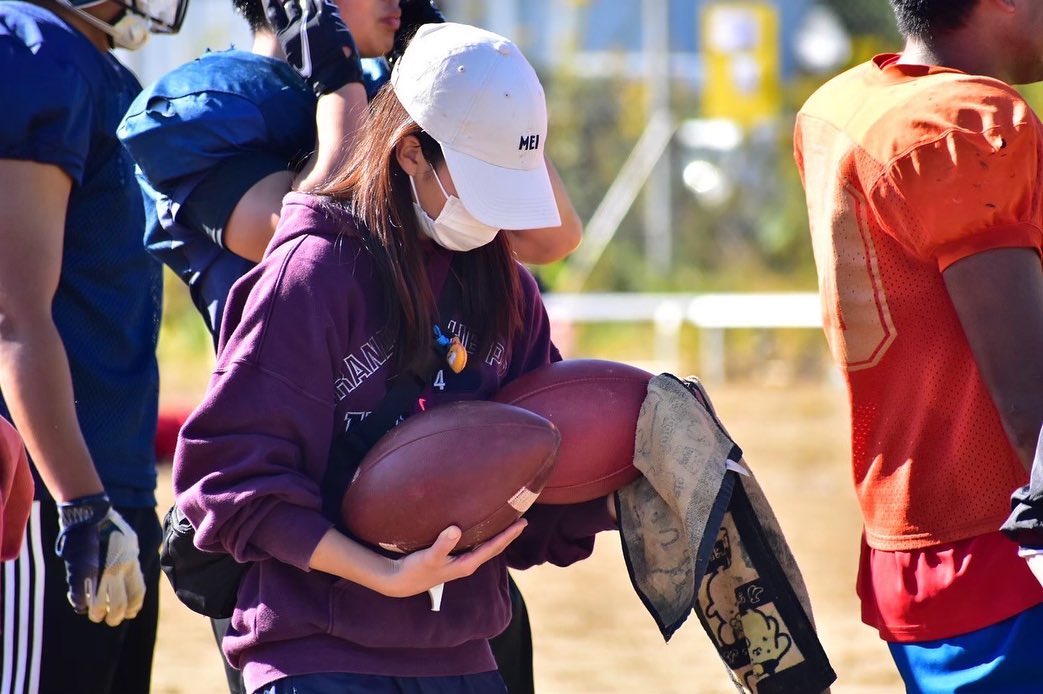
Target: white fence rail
<point>711,314</point>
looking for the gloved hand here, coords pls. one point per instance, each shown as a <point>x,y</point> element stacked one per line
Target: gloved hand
<point>316,41</point>
<point>414,14</point>
<point>101,560</point>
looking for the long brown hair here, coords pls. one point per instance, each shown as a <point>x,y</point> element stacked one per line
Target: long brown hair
<point>374,186</point>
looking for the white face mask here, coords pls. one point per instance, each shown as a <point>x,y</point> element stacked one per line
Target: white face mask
<point>130,31</point>
<point>455,228</point>
<point>140,19</point>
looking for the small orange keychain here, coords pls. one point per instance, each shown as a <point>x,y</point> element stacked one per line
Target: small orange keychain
<point>456,356</point>
<point>453,349</point>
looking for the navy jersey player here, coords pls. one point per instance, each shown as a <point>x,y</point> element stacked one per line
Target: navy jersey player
<point>79,310</point>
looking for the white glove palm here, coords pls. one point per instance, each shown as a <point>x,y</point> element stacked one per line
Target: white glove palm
<point>101,561</point>
<point>121,589</point>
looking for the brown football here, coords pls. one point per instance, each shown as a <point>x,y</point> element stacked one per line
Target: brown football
<point>476,465</point>
<point>595,405</point>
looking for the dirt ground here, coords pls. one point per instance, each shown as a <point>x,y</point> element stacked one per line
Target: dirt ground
<point>591,632</point>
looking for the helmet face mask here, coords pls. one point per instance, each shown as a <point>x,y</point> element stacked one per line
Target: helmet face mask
<point>164,16</point>
<point>139,19</point>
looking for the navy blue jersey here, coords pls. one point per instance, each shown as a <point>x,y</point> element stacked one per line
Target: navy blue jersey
<point>202,135</point>
<point>61,102</point>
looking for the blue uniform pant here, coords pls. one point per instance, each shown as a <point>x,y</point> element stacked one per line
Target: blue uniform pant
<point>1004,657</point>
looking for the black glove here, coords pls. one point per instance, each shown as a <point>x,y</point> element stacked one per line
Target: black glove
<point>415,13</point>
<point>100,552</point>
<point>316,41</point>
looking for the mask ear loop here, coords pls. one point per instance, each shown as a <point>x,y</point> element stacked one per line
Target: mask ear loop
<point>438,181</point>
<point>412,186</point>
<point>416,197</point>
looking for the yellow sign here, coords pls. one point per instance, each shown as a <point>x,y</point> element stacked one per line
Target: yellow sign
<point>741,54</point>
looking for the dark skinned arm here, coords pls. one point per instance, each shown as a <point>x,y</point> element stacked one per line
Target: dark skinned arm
<point>998,296</point>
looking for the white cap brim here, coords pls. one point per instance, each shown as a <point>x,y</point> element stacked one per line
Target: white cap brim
<point>502,197</point>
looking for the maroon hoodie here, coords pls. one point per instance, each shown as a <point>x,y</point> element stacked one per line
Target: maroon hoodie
<point>300,360</point>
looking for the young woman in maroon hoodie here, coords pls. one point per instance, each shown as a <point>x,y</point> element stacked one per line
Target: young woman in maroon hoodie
<point>343,301</point>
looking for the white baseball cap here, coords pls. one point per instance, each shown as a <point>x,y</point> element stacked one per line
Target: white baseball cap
<point>478,97</point>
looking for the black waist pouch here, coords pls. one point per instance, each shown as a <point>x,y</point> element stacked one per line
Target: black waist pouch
<point>206,582</point>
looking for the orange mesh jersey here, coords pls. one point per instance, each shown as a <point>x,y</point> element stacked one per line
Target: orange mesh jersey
<point>908,169</point>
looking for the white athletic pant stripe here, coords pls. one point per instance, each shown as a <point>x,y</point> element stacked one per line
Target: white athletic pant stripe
<point>23,605</point>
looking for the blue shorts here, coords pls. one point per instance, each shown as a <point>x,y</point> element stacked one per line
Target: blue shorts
<point>347,683</point>
<point>1004,657</point>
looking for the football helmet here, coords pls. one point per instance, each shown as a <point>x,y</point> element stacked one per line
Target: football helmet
<point>139,19</point>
